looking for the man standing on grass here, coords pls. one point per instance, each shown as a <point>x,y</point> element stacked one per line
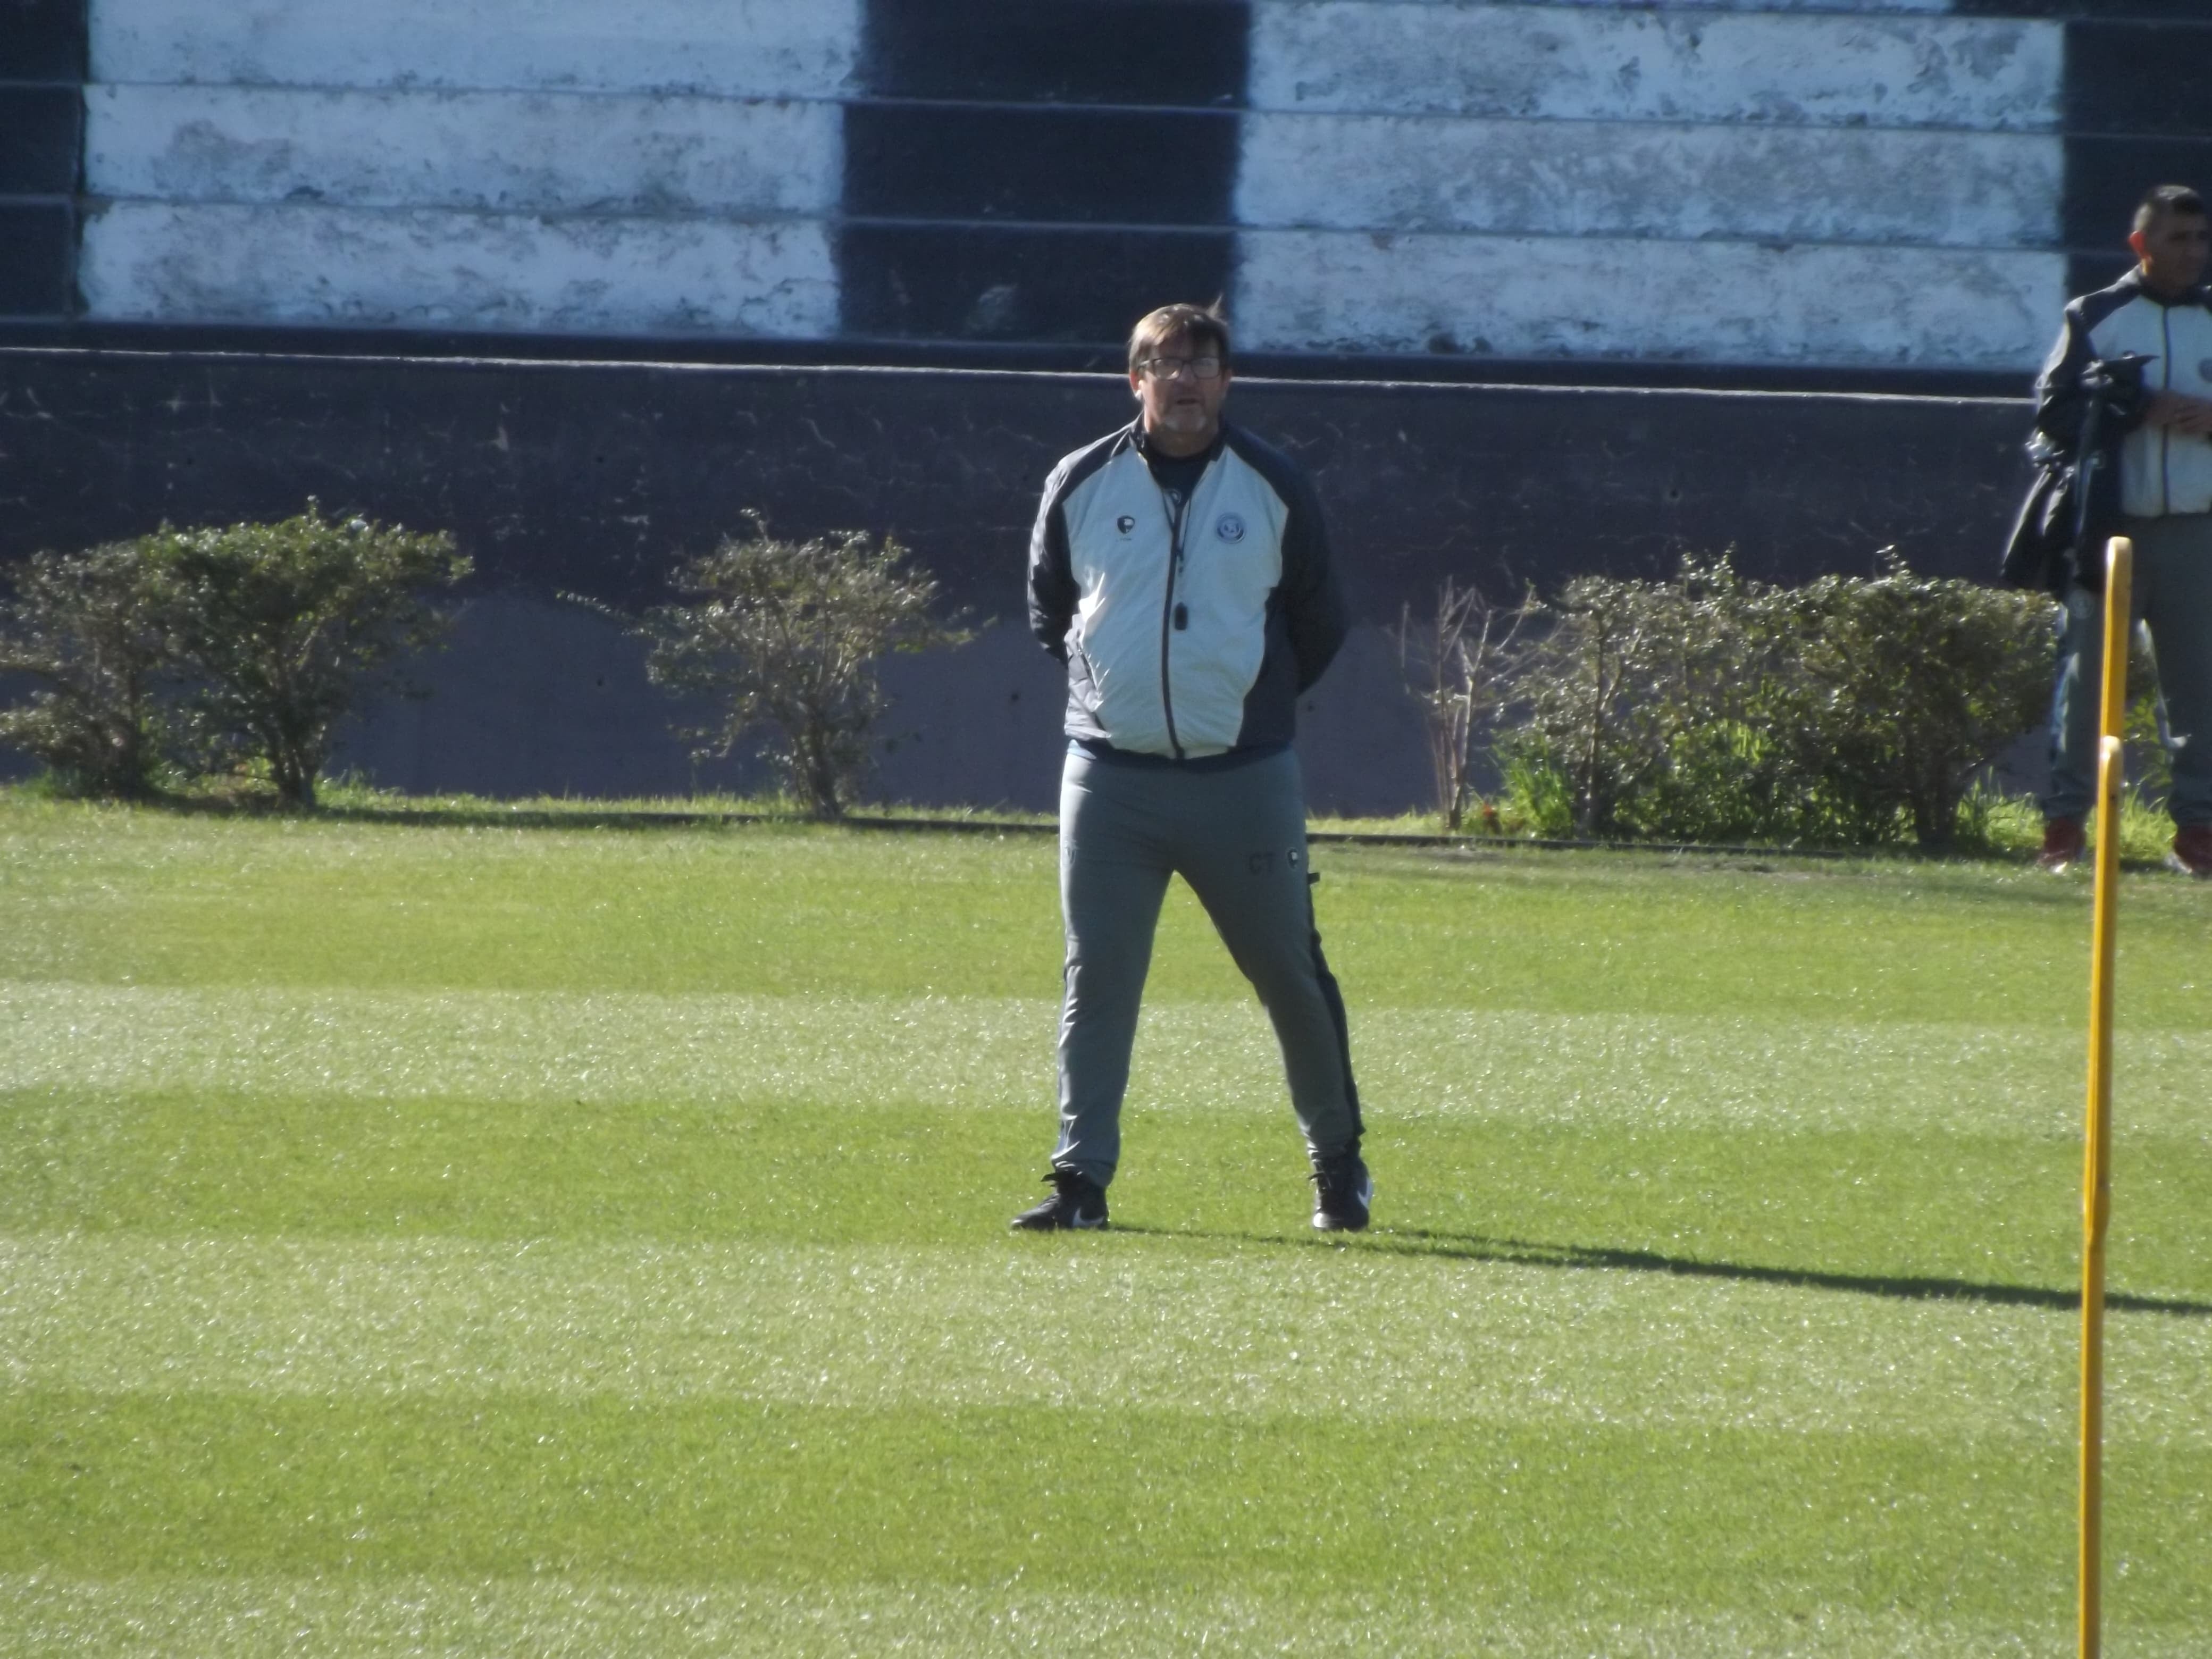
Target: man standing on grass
<point>1180,570</point>
<point>2162,310</point>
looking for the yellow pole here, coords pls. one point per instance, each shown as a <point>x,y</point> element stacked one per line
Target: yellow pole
<point>2119,628</point>
<point>2097,1175</point>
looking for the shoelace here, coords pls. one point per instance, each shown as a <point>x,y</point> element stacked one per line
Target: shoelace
<point>1334,1182</point>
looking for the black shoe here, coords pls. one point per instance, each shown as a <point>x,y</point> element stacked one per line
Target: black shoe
<point>1076,1202</point>
<point>1342,1193</point>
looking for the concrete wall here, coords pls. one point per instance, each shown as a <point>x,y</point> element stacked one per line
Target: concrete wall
<point>1881,185</point>
<point>1867,186</point>
<point>546,165</point>
<point>590,478</point>
<point>1778,192</point>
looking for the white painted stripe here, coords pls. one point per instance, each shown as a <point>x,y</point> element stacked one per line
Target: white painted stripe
<point>1605,179</point>
<point>1406,57</point>
<point>731,48</point>
<point>539,152</point>
<point>1684,301</point>
<point>143,261</point>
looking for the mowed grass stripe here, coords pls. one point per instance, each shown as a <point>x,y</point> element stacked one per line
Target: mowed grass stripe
<point>1324,1333</point>
<point>401,1617</point>
<point>404,1617</point>
<point>1586,1517</point>
<point>976,1054</point>
<point>150,899</point>
<point>1877,1209</point>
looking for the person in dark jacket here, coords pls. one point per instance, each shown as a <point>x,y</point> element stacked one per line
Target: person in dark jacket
<point>1179,567</point>
<point>2161,313</point>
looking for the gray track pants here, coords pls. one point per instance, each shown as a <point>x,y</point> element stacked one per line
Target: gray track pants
<point>2173,593</point>
<point>1238,837</point>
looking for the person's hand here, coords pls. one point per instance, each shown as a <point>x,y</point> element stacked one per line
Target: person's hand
<point>2179,412</point>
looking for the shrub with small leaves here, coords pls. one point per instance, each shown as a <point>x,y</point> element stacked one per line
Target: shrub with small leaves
<point>1851,711</point>
<point>1909,686</point>
<point>788,636</point>
<point>1647,700</point>
<point>283,627</point>
<point>89,633</point>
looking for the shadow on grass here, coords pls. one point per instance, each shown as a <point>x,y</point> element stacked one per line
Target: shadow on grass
<point>1476,1246</point>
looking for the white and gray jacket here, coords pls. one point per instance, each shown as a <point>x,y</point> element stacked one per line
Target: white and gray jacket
<point>2161,472</point>
<point>1188,626</point>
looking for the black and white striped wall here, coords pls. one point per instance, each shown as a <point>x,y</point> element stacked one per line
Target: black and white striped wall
<point>1883,184</point>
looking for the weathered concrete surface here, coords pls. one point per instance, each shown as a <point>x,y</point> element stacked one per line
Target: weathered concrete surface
<point>1680,182</point>
<point>1593,64</point>
<point>1711,301</point>
<point>431,269</point>
<point>754,168</point>
<point>729,48</point>
<point>506,151</point>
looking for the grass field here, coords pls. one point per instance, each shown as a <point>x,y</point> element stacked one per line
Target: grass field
<point>461,1239</point>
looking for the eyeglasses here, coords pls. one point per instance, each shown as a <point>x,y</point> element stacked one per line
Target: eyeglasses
<point>1166,368</point>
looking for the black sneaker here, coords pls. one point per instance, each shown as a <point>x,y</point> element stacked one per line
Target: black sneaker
<point>1342,1193</point>
<point>1076,1202</point>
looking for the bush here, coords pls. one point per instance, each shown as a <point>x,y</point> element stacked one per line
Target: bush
<point>789,634</point>
<point>1847,712</point>
<point>1908,687</point>
<point>280,629</point>
<point>90,631</point>
<point>1650,704</point>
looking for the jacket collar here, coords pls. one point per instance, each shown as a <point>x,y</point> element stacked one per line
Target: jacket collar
<point>2133,284</point>
<point>1143,446</point>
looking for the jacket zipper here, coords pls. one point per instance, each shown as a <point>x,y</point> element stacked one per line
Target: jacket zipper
<point>1176,508</point>
<point>2165,375</point>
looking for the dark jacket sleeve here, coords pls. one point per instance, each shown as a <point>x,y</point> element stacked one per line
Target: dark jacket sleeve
<point>1052,573</point>
<point>2072,377</point>
<point>2060,402</point>
<point>1313,602</point>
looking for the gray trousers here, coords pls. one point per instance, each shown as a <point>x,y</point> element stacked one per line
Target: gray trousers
<point>2172,594</point>
<point>1238,837</point>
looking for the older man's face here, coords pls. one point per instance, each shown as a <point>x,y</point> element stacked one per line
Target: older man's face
<point>1183,405</point>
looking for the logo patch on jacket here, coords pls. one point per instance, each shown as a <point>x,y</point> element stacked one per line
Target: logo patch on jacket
<point>2205,368</point>
<point>1229,528</point>
<point>1125,524</point>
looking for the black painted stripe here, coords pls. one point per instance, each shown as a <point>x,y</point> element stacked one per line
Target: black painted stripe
<point>2137,114</point>
<point>2179,11</point>
<point>1030,284</point>
<point>42,40</point>
<point>1185,53</point>
<point>43,125</point>
<point>987,110</point>
<point>37,243</point>
<point>2107,176</point>
<point>2146,79</point>
<point>42,70</point>
<point>1109,167</point>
